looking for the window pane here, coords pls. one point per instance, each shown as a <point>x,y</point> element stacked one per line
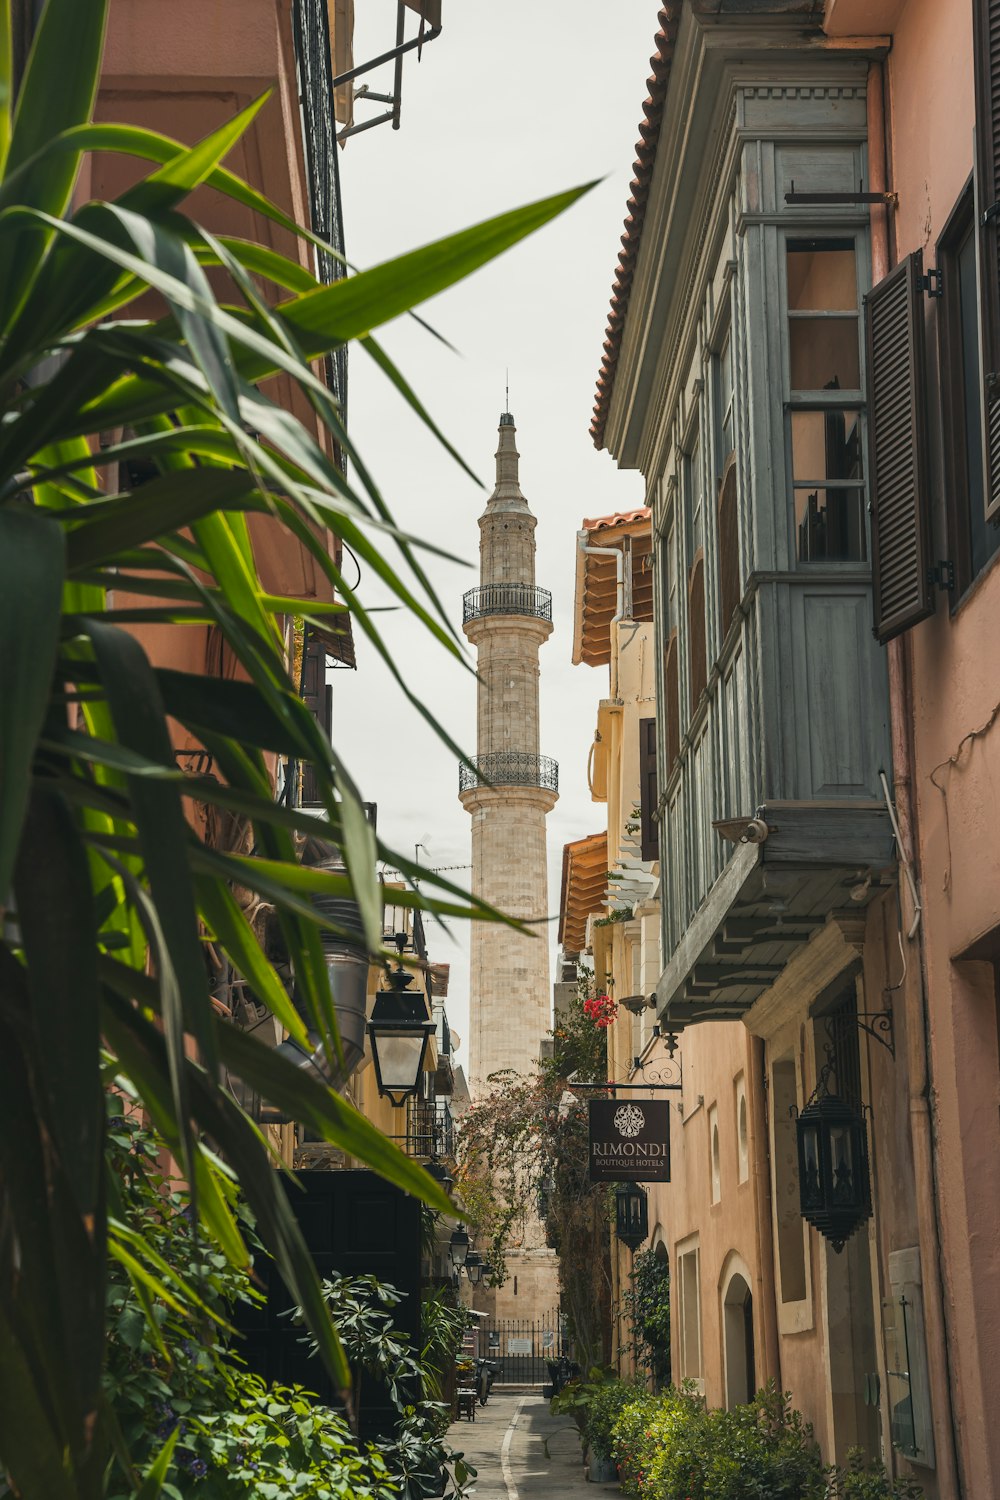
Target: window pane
<point>822,277</point>
<point>825,445</point>
<point>830,525</point>
<point>824,354</point>
<point>829,521</point>
<point>983,538</point>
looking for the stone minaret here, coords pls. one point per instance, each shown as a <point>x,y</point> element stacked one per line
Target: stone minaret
<point>507,618</point>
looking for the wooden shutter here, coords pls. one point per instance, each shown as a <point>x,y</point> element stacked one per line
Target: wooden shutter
<point>901,540</point>
<point>648,792</point>
<point>318,698</point>
<point>986,48</point>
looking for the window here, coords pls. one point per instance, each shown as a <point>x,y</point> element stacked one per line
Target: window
<point>713,1135</point>
<point>689,1310</point>
<point>694,541</point>
<point>973,540</point>
<point>671,670</point>
<point>824,361</point>
<point>789,1224</point>
<point>742,1130</point>
<point>725,443</point>
<point>648,794</point>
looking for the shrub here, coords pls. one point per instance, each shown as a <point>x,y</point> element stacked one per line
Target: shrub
<point>645,1430</point>
<point>864,1480</point>
<point>608,1402</point>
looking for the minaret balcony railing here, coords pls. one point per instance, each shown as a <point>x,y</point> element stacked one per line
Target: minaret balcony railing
<point>507,599</point>
<point>510,768</point>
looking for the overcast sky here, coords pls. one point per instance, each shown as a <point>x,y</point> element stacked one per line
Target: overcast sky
<point>513,101</point>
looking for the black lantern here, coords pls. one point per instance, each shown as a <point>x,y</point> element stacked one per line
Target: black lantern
<point>834,1183</point>
<point>459,1247</point>
<point>400,1030</point>
<point>474,1267</point>
<point>631,1214</point>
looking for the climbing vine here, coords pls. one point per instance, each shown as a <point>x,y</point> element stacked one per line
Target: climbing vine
<point>646,1303</point>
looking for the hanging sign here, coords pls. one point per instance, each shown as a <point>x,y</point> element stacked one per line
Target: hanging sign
<point>629,1140</point>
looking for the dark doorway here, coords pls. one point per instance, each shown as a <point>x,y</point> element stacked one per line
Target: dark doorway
<point>356,1224</point>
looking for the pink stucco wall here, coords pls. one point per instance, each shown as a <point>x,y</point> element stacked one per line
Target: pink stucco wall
<point>952,698</point>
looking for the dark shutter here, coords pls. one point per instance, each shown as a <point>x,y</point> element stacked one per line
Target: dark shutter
<point>901,541</point>
<point>318,698</point>
<point>648,794</point>
<point>986,47</point>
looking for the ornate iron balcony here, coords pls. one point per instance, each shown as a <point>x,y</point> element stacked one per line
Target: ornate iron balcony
<point>507,599</point>
<point>510,768</point>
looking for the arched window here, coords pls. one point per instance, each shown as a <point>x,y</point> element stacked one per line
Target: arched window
<point>729,548</point>
<point>672,710</point>
<point>697,646</point>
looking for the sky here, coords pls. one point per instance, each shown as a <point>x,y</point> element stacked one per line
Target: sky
<point>511,102</point>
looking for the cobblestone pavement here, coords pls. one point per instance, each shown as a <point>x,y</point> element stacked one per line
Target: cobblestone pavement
<point>523,1453</point>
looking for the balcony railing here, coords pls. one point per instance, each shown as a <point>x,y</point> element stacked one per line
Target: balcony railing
<point>430,1131</point>
<point>510,768</point>
<point>507,599</point>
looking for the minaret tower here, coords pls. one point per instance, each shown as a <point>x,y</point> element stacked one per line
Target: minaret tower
<point>507,619</point>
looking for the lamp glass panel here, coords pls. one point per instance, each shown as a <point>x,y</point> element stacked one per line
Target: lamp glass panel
<point>812,1188</point>
<point>842,1164</point>
<point>399,1058</point>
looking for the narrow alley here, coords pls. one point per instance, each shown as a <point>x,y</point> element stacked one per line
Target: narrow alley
<point>522,1452</point>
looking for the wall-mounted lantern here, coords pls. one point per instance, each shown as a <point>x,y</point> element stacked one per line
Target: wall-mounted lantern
<point>474,1267</point>
<point>834,1180</point>
<point>631,1214</point>
<point>400,1031</point>
<point>459,1247</point>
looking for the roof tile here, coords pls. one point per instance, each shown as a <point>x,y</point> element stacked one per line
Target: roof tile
<point>668,20</point>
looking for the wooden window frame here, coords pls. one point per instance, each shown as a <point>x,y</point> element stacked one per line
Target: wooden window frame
<point>960,222</point>
<point>985,31</point>
<point>648,790</point>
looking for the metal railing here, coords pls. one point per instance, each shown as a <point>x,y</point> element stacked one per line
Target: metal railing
<point>510,768</point>
<point>430,1130</point>
<point>506,599</point>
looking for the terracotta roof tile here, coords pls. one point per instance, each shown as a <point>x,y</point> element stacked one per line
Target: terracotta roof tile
<point>668,20</point>
<point>617,518</point>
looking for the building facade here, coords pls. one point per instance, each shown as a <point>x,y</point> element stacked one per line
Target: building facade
<point>815,418</point>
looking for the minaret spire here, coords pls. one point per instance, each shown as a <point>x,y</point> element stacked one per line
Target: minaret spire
<point>507,494</point>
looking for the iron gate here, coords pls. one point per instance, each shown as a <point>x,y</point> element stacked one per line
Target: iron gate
<point>524,1348</point>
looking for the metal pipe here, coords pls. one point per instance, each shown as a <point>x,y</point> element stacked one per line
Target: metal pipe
<point>385,57</point>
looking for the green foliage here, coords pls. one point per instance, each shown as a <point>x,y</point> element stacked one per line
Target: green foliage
<point>114,892</point>
<point>672,1447</point>
<point>442,1325</point>
<point>579,1394</point>
<point>418,1458</point>
<point>609,1401</point>
<point>867,1480</point>
<point>646,1301</point>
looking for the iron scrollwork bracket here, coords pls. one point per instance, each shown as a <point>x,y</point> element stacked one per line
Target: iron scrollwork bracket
<point>878,1024</point>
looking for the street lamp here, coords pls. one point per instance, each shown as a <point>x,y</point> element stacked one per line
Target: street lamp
<point>474,1267</point>
<point>631,1214</point>
<point>459,1247</point>
<point>400,1031</point>
<point>834,1183</point>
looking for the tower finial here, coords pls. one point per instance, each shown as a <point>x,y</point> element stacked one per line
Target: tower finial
<point>506,404</point>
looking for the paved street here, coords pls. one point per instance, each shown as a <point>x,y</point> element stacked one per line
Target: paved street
<point>521,1452</point>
